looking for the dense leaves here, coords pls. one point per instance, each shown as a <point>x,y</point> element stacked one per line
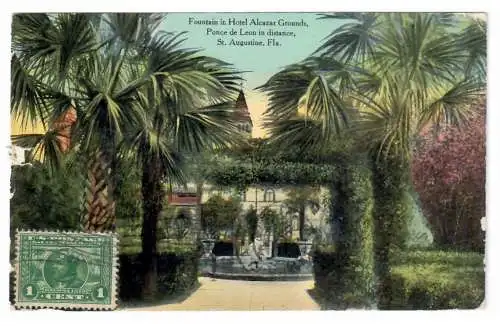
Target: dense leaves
<point>420,280</point>
<point>400,71</point>
<point>434,280</point>
<point>449,173</point>
<point>45,201</point>
<point>219,214</point>
<point>177,274</point>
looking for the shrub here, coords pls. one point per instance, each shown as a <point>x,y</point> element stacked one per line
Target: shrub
<point>449,174</point>
<point>177,273</point>
<point>358,249</point>
<point>219,214</point>
<point>45,200</point>
<point>429,280</point>
<point>325,270</point>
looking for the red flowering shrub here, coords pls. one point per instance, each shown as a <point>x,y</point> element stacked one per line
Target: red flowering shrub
<point>449,174</point>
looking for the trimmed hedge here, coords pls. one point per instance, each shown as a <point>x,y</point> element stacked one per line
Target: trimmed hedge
<point>437,280</point>
<point>343,272</point>
<point>390,217</point>
<point>177,273</point>
<point>420,280</point>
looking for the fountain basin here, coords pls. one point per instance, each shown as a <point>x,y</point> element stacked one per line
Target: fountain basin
<point>250,268</point>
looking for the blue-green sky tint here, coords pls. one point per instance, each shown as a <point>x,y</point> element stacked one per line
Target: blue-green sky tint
<point>261,61</point>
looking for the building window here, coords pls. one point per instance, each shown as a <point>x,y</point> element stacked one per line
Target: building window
<point>269,195</point>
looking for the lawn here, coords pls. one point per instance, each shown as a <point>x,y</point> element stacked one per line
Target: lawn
<point>438,280</point>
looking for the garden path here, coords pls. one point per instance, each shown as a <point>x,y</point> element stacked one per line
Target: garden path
<point>218,294</point>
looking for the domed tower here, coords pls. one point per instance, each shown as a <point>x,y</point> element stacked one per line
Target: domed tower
<point>242,115</point>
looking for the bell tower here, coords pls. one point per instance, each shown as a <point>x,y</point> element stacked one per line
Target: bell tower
<point>243,115</point>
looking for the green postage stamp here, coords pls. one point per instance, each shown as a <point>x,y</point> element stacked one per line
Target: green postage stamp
<point>67,270</point>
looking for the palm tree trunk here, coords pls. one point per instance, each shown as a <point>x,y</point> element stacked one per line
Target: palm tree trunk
<point>302,222</point>
<point>98,203</point>
<point>152,196</point>
<point>197,225</point>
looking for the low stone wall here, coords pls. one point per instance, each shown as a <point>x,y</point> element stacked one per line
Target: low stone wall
<point>246,267</point>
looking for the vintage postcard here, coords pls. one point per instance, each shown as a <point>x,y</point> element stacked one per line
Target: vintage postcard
<point>304,161</point>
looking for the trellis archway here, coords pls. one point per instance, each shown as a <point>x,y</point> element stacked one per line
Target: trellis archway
<point>350,179</point>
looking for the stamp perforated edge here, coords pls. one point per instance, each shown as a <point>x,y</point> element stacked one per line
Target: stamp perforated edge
<point>71,306</point>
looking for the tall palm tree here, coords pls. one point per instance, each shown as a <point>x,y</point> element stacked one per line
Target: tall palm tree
<point>84,64</point>
<point>130,87</point>
<point>380,79</point>
<point>189,108</point>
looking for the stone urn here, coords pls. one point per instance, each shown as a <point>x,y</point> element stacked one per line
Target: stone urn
<point>305,247</point>
<point>208,246</point>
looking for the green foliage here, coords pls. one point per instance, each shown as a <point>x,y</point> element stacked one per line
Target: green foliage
<point>391,216</point>
<point>275,223</point>
<point>131,245</point>
<point>43,200</point>
<point>252,221</point>
<point>177,274</point>
<point>344,172</point>
<point>437,280</point>
<point>178,224</point>
<point>298,199</point>
<point>128,192</point>
<point>244,174</point>
<point>219,214</point>
<point>47,199</point>
<point>357,247</point>
<point>344,271</point>
<point>419,280</point>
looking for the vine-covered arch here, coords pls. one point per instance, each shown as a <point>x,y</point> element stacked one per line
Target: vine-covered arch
<point>349,180</point>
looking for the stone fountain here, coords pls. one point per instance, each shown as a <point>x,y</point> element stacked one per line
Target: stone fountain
<point>255,264</point>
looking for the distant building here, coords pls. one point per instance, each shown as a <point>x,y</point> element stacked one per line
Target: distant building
<point>245,124</point>
<point>17,155</point>
<point>257,196</point>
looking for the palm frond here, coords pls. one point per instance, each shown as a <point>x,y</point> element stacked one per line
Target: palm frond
<point>45,147</point>
<point>354,40</point>
<point>299,133</point>
<point>213,127</point>
<point>26,95</point>
<point>147,145</point>
<point>132,28</point>
<point>455,106</point>
<point>474,40</point>
<point>284,91</point>
<point>50,46</point>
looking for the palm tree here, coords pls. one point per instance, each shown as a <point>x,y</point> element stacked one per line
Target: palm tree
<point>380,79</point>
<point>83,66</point>
<point>189,108</point>
<point>131,87</point>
